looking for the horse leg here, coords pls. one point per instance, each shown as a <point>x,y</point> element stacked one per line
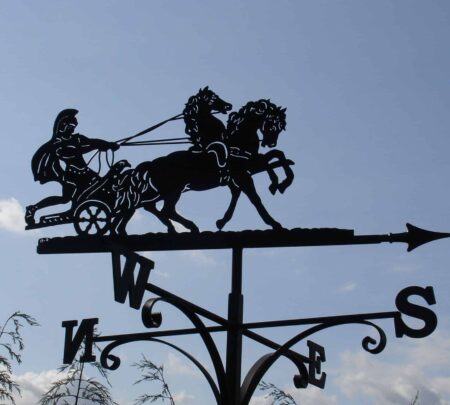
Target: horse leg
<point>151,207</point>
<point>245,182</point>
<point>281,161</point>
<point>120,222</point>
<point>170,212</point>
<point>274,184</point>
<point>288,180</point>
<point>261,164</point>
<point>235,193</point>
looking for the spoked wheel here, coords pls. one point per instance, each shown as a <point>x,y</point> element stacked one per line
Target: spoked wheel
<point>92,218</point>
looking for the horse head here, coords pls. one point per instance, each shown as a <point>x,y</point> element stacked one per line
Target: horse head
<point>274,122</point>
<point>212,101</point>
<point>261,115</point>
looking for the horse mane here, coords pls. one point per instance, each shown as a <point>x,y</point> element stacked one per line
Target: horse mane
<point>191,107</point>
<point>250,110</point>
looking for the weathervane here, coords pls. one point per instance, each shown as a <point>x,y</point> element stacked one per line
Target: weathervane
<point>218,155</point>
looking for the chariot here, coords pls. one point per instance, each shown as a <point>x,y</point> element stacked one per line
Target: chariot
<point>93,208</point>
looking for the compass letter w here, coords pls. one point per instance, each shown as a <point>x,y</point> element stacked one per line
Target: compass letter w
<point>124,280</point>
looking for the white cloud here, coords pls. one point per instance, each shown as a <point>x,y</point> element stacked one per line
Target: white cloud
<point>260,400</point>
<point>308,396</point>
<point>175,365</point>
<point>430,352</point>
<point>33,385</point>
<point>183,398</point>
<point>11,215</point>
<point>424,367</point>
<point>312,396</point>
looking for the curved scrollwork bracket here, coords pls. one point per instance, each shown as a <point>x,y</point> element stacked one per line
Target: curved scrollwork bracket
<point>258,370</point>
<point>152,319</point>
<point>106,355</point>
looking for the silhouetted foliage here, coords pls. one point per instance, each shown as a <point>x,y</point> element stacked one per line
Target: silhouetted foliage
<point>279,396</point>
<point>75,385</point>
<point>11,343</point>
<point>151,372</point>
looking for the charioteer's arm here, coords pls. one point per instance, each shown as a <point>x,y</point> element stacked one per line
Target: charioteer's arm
<point>89,144</point>
<point>83,144</point>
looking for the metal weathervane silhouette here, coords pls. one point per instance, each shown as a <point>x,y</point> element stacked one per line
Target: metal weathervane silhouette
<point>217,155</point>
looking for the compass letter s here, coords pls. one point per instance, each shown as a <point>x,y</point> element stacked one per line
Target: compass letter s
<point>416,311</point>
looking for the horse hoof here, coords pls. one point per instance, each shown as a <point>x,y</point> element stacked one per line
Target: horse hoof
<point>282,188</point>
<point>220,224</point>
<point>273,189</point>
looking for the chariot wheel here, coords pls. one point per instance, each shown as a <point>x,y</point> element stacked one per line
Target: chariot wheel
<point>92,218</point>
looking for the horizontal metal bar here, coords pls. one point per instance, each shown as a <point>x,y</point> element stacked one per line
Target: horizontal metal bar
<point>206,240</point>
<point>227,240</point>
<point>323,319</point>
<point>156,334</point>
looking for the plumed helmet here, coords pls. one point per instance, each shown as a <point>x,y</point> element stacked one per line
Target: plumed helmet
<point>64,115</point>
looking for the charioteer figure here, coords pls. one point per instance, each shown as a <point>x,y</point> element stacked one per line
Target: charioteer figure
<point>61,160</point>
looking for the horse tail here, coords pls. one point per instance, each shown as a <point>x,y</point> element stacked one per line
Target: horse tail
<point>135,186</point>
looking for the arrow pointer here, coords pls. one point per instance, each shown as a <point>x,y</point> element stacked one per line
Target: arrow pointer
<point>416,237</point>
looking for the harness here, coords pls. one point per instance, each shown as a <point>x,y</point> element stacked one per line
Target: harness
<point>239,153</point>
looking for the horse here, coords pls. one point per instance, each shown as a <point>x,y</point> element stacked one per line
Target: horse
<point>201,125</point>
<point>243,142</point>
<point>167,177</point>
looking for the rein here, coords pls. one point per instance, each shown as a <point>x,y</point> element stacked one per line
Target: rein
<point>123,141</point>
<point>170,141</point>
<point>152,128</point>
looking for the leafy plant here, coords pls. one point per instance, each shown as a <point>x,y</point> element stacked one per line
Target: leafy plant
<point>11,342</point>
<point>151,372</point>
<point>76,386</point>
<point>279,396</point>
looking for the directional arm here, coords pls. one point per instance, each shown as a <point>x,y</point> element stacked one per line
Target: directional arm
<point>414,237</point>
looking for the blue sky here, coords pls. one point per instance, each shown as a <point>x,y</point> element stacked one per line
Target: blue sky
<point>366,88</point>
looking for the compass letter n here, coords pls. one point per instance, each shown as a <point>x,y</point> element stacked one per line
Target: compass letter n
<point>72,344</point>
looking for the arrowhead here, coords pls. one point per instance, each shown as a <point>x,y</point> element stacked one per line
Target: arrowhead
<point>418,236</point>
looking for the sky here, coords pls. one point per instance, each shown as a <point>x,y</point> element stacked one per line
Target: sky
<point>366,87</point>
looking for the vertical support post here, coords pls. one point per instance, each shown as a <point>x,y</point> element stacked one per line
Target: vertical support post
<point>234,333</point>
